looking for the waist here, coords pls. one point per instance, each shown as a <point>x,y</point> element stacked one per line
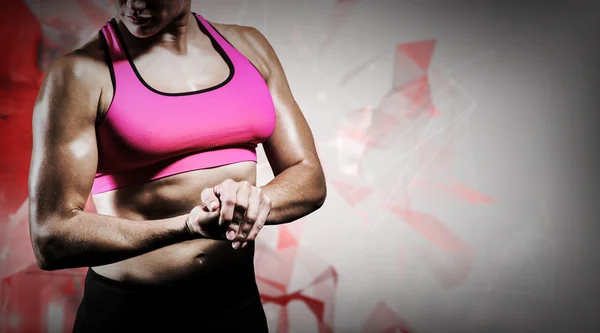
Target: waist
<point>208,298</point>
<point>223,306</point>
<point>105,181</point>
<point>213,262</point>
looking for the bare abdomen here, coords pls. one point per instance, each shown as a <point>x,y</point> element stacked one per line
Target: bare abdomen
<point>195,260</point>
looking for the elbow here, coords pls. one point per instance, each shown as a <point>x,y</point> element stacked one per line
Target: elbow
<point>321,195</point>
<point>45,250</point>
<point>50,246</point>
<point>46,265</point>
<point>43,264</point>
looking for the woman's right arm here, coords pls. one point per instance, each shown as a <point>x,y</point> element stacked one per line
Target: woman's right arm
<point>63,164</point>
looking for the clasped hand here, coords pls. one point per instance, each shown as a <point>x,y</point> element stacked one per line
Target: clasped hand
<point>233,210</point>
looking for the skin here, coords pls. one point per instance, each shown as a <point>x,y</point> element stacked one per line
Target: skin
<point>181,227</point>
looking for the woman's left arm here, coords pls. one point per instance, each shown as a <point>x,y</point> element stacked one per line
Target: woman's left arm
<point>298,187</point>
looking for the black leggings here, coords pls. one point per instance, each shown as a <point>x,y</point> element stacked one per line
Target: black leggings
<point>110,306</point>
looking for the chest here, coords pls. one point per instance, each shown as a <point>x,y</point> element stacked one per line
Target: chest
<point>176,74</point>
<point>143,126</point>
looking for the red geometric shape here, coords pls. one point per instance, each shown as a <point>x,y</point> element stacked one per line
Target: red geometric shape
<point>351,193</point>
<point>455,189</point>
<point>32,294</point>
<point>286,238</point>
<point>289,234</point>
<point>385,320</point>
<point>20,33</point>
<point>273,276</point>
<point>452,249</point>
<point>431,228</point>
<point>419,52</point>
<point>370,127</point>
<point>411,77</point>
<point>418,93</point>
<point>470,195</point>
<point>16,244</point>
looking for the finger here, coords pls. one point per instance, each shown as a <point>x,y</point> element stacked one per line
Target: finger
<point>209,199</point>
<point>243,193</point>
<point>241,204</point>
<point>219,189</point>
<point>261,219</point>
<point>231,231</point>
<point>201,221</point>
<point>227,198</point>
<point>249,218</point>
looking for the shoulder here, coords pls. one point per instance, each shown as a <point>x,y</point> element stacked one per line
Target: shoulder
<point>252,43</point>
<point>84,66</point>
<point>248,34</point>
<point>77,81</point>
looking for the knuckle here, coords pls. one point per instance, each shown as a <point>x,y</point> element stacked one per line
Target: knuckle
<point>195,211</point>
<point>267,201</point>
<point>229,201</point>
<point>206,194</point>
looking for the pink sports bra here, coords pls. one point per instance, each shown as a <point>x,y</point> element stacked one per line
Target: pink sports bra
<point>147,134</point>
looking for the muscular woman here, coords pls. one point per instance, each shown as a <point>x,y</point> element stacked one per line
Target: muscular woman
<point>158,117</point>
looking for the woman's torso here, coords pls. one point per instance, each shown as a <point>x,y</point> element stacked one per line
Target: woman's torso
<point>168,197</point>
<point>175,194</point>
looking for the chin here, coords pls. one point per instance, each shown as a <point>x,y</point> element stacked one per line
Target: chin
<point>142,31</point>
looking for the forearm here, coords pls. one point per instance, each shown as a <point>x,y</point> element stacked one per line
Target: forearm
<point>295,192</point>
<point>88,239</point>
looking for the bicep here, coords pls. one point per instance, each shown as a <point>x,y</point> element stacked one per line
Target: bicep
<point>64,152</point>
<point>292,141</point>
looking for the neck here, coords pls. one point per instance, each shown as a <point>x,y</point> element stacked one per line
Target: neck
<point>174,37</point>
